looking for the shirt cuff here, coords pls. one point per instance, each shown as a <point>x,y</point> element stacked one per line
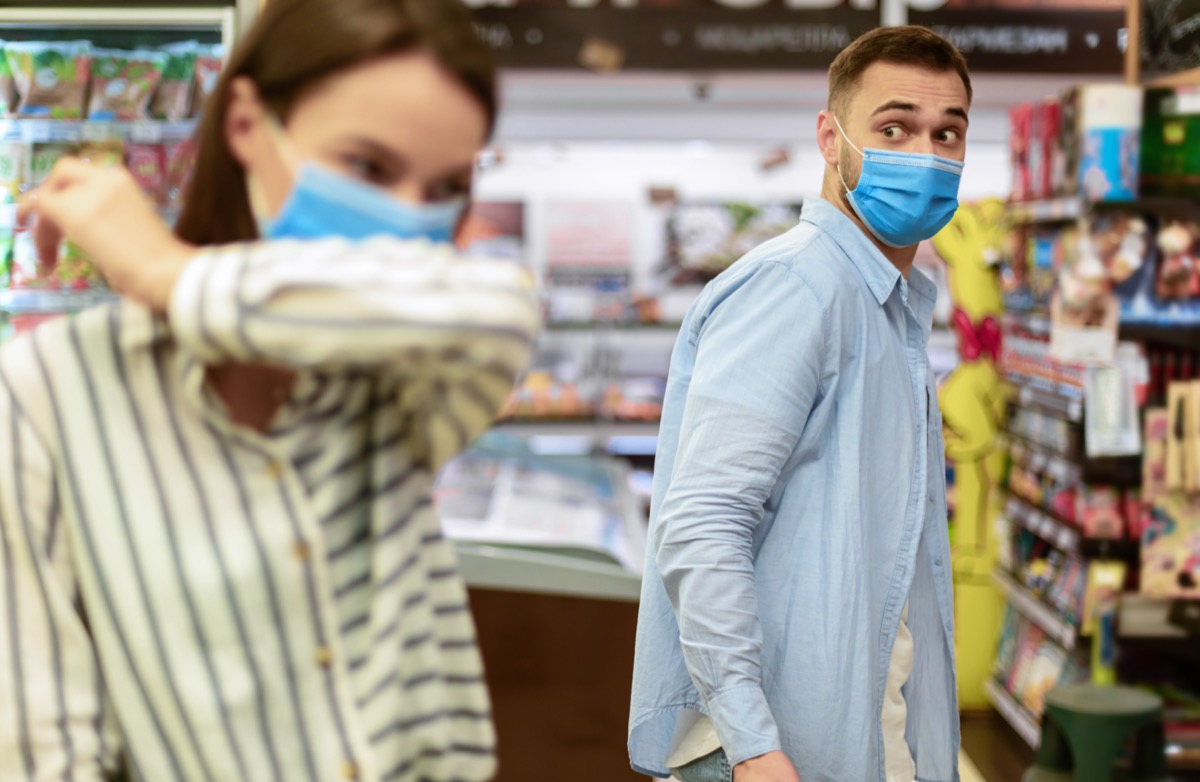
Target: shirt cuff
<point>744,723</point>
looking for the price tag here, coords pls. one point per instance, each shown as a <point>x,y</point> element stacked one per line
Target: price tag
<point>145,132</point>
<point>96,131</point>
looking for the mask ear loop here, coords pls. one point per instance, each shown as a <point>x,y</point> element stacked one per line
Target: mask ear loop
<point>840,130</point>
<point>291,161</point>
<point>837,122</point>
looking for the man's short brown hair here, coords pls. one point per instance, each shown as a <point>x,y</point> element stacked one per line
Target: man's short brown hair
<point>907,45</point>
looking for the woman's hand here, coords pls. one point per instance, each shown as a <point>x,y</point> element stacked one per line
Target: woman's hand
<point>771,767</point>
<point>105,213</point>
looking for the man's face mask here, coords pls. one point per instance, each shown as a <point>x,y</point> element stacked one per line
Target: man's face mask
<point>902,197</point>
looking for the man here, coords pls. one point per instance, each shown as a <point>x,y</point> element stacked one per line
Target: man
<point>796,619</point>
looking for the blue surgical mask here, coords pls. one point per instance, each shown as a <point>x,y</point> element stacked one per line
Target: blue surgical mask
<point>324,203</point>
<point>902,197</point>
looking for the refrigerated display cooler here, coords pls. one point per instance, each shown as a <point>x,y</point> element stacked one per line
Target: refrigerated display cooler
<point>117,83</point>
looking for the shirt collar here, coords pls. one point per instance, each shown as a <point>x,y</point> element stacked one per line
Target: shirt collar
<point>880,275</point>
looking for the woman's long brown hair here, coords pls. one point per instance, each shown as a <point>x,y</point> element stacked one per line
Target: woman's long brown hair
<point>293,47</point>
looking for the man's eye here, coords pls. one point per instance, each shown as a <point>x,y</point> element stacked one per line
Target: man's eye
<point>893,132</point>
<point>949,136</point>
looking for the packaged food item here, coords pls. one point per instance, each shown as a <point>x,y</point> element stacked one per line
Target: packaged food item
<point>1171,548</point>
<point>14,163</point>
<point>108,153</point>
<point>42,157</point>
<point>208,70</point>
<point>1104,582</point>
<point>180,156</point>
<point>8,85</point>
<point>1099,510</point>
<point>173,100</point>
<point>123,83</point>
<point>51,77</point>
<point>148,165</point>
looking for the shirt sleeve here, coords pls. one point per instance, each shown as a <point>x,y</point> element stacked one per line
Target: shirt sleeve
<point>757,374</point>
<point>406,307</point>
<point>54,723</point>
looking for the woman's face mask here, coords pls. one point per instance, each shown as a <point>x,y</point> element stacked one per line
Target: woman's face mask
<point>324,203</point>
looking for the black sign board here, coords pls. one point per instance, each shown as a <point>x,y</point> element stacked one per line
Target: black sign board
<point>785,34</point>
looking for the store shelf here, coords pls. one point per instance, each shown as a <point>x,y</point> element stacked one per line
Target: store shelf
<point>596,429</point>
<point>36,131</point>
<point>1030,393</point>
<point>1149,617</point>
<point>1014,714</point>
<point>1055,210</point>
<point>1045,526</point>
<point>1048,461</point>
<point>1036,611</point>
<point>603,328</point>
<point>50,302</point>
<point>1186,337</point>
<point>515,569</point>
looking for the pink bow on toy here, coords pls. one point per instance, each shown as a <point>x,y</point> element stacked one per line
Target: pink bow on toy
<point>975,340</point>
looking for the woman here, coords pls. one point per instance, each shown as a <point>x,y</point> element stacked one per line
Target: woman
<point>218,556</point>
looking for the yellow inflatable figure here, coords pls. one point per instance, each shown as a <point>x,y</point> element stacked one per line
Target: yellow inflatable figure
<point>973,401</point>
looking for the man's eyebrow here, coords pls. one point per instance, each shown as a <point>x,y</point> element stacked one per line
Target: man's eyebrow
<point>895,105</point>
<point>956,111</point>
<point>899,105</point>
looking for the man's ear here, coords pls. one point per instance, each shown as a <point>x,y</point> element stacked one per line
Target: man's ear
<point>244,120</point>
<point>827,136</point>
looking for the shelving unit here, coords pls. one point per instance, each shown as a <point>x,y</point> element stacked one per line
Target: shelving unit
<point>1053,531</point>
<point>1014,714</point>
<point>596,429</point>
<point>35,131</point>
<point>1042,615</point>
<point>1043,395</point>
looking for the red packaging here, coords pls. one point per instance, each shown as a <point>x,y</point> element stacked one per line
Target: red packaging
<point>180,158</point>
<point>147,163</point>
<point>1047,140</point>
<point>1020,117</point>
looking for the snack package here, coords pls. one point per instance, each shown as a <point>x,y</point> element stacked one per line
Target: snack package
<point>123,83</point>
<point>208,70</point>
<point>1099,510</point>
<point>173,100</point>
<point>147,163</point>
<point>108,153</point>
<point>180,156</point>
<point>42,157</point>
<point>8,85</point>
<point>1171,548</point>
<point>1154,460</point>
<point>1104,582</point>
<point>51,77</point>
<point>1042,676</point>
<point>14,163</point>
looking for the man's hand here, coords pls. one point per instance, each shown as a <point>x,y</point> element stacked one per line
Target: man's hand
<point>771,767</point>
<point>105,213</point>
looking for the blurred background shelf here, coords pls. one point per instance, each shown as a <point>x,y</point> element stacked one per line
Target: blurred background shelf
<point>1042,615</point>
<point>1014,714</point>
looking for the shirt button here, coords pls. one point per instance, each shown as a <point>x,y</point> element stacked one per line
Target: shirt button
<point>937,561</point>
<point>275,469</point>
<point>301,551</point>
<point>350,770</point>
<point>323,656</point>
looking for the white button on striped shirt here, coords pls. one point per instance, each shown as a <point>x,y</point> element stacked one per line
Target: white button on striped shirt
<point>202,602</point>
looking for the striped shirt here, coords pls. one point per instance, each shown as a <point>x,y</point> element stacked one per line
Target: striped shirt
<point>199,601</point>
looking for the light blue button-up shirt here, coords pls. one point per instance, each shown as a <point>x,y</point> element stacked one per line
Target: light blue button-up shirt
<point>799,500</point>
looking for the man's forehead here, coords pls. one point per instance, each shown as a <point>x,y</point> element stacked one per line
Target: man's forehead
<point>928,90</point>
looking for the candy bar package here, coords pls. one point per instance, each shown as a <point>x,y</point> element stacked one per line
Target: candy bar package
<point>173,100</point>
<point>1171,548</point>
<point>123,83</point>
<point>51,77</point>
<point>8,85</point>
<point>208,70</point>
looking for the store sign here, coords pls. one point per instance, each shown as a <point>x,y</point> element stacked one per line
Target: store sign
<point>793,34</point>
